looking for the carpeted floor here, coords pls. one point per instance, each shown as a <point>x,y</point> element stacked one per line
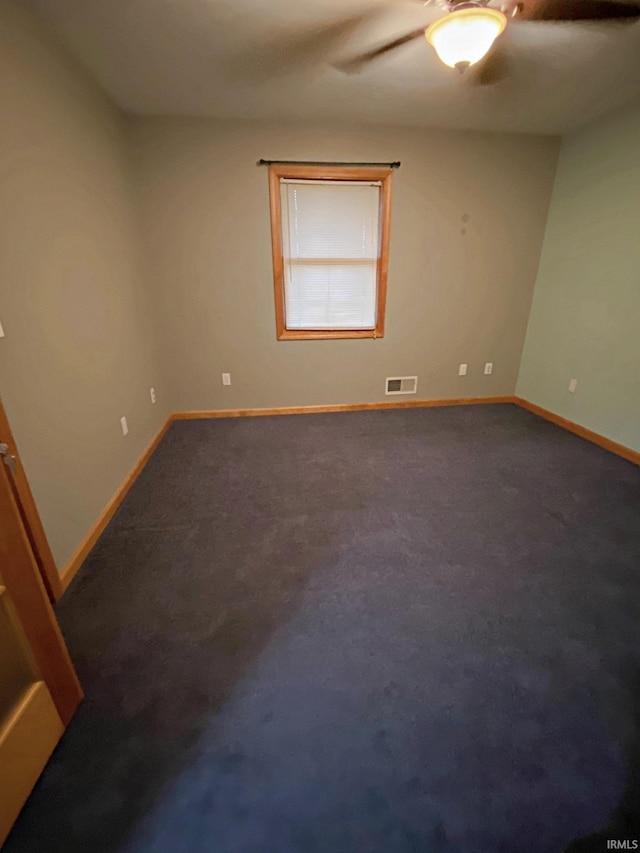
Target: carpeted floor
<point>373,632</point>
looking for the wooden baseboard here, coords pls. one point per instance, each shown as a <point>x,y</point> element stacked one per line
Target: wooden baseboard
<point>339,407</point>
<point>81,553</point>
<point>612,446</point>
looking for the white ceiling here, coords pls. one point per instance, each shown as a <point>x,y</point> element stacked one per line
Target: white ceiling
<point>270,59</point>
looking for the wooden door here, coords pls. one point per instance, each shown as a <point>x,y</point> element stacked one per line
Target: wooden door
<point>29,513</point>
<point>39,690</point>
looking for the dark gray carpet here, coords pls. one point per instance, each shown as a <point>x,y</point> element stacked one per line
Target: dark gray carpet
<point>383,632</point>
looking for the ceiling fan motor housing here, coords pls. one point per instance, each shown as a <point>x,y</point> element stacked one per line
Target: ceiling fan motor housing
<point>456,5</point>
<point>510,7</point>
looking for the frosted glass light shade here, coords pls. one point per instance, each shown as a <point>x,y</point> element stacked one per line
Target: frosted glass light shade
<point>462,38</point>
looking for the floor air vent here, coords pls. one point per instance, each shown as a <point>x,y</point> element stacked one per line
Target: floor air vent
<point>401,385</point>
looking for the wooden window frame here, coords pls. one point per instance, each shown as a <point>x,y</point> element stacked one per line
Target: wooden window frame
<point>329,173</point>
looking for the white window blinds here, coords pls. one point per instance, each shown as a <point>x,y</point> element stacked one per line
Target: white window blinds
<point>331,245</point>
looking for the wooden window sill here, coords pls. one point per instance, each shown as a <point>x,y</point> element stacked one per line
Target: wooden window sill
<point>326,334</point>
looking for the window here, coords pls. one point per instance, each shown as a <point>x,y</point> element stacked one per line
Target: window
<point>330,238</point>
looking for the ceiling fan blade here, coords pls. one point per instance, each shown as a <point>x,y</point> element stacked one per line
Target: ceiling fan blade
<point>494,69</point>
<point>356,63</point>
<point>288,52</point>
<point>577,10</point>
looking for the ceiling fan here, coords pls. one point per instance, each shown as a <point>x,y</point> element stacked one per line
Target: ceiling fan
<point>467,30</point>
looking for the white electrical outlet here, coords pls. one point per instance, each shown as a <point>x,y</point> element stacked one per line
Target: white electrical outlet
<point>152,394</point>
<point>573,384</point>
<point>226,379</point>
<point>488,368</point>
<point>462,370</point>
<point>123,424</point>
<point>1,331</point>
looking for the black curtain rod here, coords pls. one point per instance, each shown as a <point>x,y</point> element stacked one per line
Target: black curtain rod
<point>394,165</point>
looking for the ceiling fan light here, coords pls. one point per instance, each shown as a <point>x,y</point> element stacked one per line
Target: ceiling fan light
<point>463,37</point>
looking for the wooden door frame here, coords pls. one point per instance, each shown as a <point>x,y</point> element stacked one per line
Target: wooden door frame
<point>22,579</point>
<point>30,516</point>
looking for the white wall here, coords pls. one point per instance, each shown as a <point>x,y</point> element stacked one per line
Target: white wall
<point>468,218</point>
<point>584,320</point>
<point>79,350</point>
